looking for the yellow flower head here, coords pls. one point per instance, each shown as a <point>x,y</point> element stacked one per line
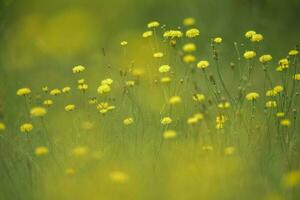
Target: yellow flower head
<point>252,96</point>
<point>23,91</point>
<point>26,128</point>
<point>175,100</point>
<point>123,43</point>
<point>193,32</point>
<point>271,93</point>
<point>104,107</point>
<point>249,54</point>
<point>55,92</point>
<point>218,40</point>
<point>103,89</point>
<point>164,68</point>
<point>189,21</point>
<point>297,77</point>
<point>38,111</point>
<point>128,121</point>
<point>47,102</point>
<point>107,81</point>
<point>293,52</point>
<point>280,114</point>
<point>199,97</point>
<point>66,89</point>
<point>118,177</point>
<point>189,47</point>
<point>83,87</point>
<point>278,88</point>
<point>80,151</point>
<point>285,122</point>
<point>203,64</point>
<point>189,58</point>
<point>165,79</point>
<point>158,55</point>
<point>265,58</point>
<point>257,38</point>
<point>271,104</point>
<point>153,24</point>
<point>249,34</point>
<point>173,34</point>
<point>130,83</point>
<point>45,89</point>
<point>169,134</point>
<point>40,151</point>
<point>78,69</point>
<point>70,107</point>
<point>2,126</point>
<point>224,105</point>
<point>147,34</point>
<point>166,120</point>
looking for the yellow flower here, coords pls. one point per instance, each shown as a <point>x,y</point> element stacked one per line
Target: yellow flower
<point>189,47</point>
<point>285,122</point>
<point>271,93</point>
<point>229,150</point>
<point>81,81</point>
<point>70,107</point>
<point>265,58</point>
<point>147,34</point>
<point>249,54</point>
<point>104,107</point>
<point>128,121</point>
<point>173,34</point>
<point>158,55</point>
<point>252,96</point>
<point>40,151</point>
<point>280,114</point>
<point>47,102</point>
<point>55,92</point>
<point>203,64</point>
<point>218,40</point>
<point>23,91</point>
<point>78,69</point>
<point>291,179</point>
<point>283,62</point>
<point>107,81</point>
<point>66,89</point>
<point>124,43</point>
<point>249,34</point>
<point>38,111</point>
<point>2,126</point>
<point>224,105</point>
<point>80,151</point>
<point>102,89</point>
<point>164,68</point>
<point>293,52</point>
<point>118,177</point>
<point>193,32</point>
<point>130,83</point>
<point>199,97</point>
<point>278,88</point>
<point>70,171</point>
<point>26,128</point>
<point>169,134</point>
<point>257,38</point>
<point>165,79</point>
<point>297,77</point>
<point>83,87</point>
<point>175,100</point>
<point>271,104</point>
<point>153,24</point>
<point>198,116</point>
<point>189,58</point>
<point>166,120</point>
<point>192,120</point>
<point>189,21</point>
<point>93,100</point>
<point>220,121</point>
<point>45,89</point>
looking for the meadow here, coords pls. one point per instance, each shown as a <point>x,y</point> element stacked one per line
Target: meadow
<point>165,112</point>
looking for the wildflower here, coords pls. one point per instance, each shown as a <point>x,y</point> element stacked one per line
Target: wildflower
<point>128,121</point>
<point>175,100</point>
<point>78,69</point>
<point>218,40</point>
<point>271,104</point>
<point>189,58</point>
<point>265,58</point>
<point>203,64</point>
<point>220,121</point>
<point>80,151</point>
<point>104,107</point>
<point>249,34</point>
<point>70,107</point>
<point>55,92</point>
<point>257,38</point>
<point>23,91</point>
<point>198,116</point>
<point>189,21</point>
<point>271,93</point>
<point>169,134</point>
<point>81,81</point>
<point>26,128</point>
<point>107,81</point>
<point>2,126</point>
<point>278,88</point>
<point>130,83</point>
<point>40,151</point>
<point>70,171</point>
<point>189,47</point>
<point>283,62</point>
<point>124,43</point>
<point>166,120</point>
<point>83,87</point>
<point>173,34</point>
<point>207,148</point>
<point>285,122</point>
<point>47,102</point>
<point>38,111</point>
<point>252,96</point>
<point>291,179</point>
<point>153,24</point>
<point>297,77</point>
<point>45,89</point>
<point>119,177</point>
<point>193,32</point>
<point>92,100</point>
<point>147,34</point>
<point>229,150</point>
<point>165,79</point>
<point>192,120</point>
<point>66,89</point>
<point>158,55</point>
<point>164,68</point>
<point>249,54</point>
<point>224,105</point>
<point>280,114</point>
<point>293,52</point>
<point>102,89</point>
<point>199,97</point>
